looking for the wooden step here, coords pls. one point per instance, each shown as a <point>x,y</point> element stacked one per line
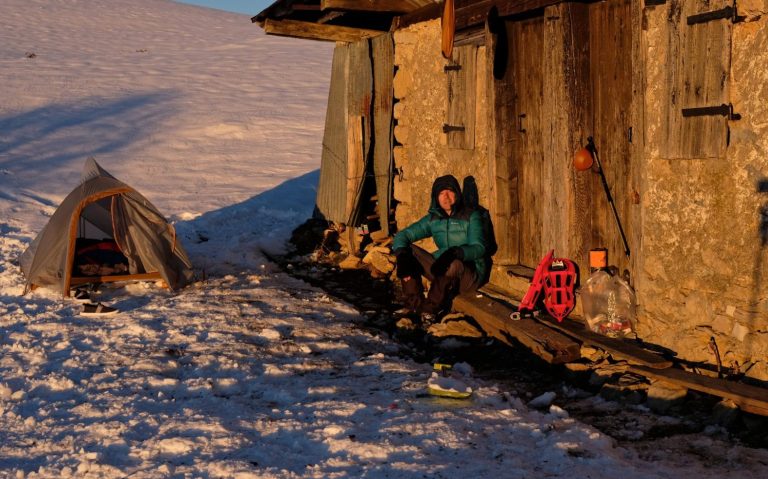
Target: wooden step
<point>493,317</point>
<point>624,349</point>
<point>749,398</point>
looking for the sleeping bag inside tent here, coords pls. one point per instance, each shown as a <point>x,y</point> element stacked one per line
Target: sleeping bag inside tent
<point>104,231</point>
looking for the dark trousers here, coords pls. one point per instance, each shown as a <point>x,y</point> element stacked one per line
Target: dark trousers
<point>460,278</point>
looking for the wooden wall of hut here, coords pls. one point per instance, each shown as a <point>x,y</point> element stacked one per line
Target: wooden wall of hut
<point>560,76</point>
<point>356,162</point>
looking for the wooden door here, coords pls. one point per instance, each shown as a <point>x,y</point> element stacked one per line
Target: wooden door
<point>527,70</point>
<point>610,48</point>
<point>518,71</point>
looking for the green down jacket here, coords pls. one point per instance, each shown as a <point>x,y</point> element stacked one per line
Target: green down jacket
<point>464,228</point>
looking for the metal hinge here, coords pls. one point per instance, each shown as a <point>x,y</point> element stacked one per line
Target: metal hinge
<point>723,13</point>
<point>449,128</point>
<point>722,110</point>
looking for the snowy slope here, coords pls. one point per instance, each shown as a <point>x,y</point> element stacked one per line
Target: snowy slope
<point>249,373</point>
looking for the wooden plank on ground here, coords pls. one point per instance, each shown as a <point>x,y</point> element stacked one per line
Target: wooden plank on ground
<point>550,345</point>
<point>749,398</point>
<point>618,348</point>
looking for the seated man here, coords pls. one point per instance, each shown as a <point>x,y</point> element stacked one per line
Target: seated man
<point>457,267</point>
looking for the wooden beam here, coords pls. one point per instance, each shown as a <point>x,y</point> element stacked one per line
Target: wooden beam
<point>428,12</point>
<point>329,16</point>
<point>751,399</point>
<point>493,317</point>
<point>305,7</point>
<point>618,348</point>
<point>382,6</point>
<point>313,31</point>
<point>470,13</point>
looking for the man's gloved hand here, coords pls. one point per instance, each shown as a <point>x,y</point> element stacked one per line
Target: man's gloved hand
<point>441,264</point>
<point>407,264</point>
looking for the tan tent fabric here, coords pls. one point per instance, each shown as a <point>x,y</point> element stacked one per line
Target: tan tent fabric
<point>105,207</point>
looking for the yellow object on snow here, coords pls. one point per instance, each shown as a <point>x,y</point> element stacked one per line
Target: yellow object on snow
<point>444,384</point>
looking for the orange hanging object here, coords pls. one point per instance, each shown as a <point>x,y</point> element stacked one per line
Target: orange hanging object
<point>583,159</point>
<point>449,28</point>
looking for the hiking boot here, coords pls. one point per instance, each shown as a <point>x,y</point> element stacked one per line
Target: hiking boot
<point>98,309</point>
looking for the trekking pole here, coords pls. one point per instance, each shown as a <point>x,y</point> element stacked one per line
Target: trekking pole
<point>593,150</point>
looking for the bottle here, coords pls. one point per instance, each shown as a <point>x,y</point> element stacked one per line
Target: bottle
<point>608,302</point>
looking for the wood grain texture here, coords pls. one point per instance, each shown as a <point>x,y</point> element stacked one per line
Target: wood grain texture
<point>383,97</point>
<point>697,76</point>
<point>462,93</point>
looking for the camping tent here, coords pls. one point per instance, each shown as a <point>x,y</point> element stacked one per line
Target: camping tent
<point>103,231</point>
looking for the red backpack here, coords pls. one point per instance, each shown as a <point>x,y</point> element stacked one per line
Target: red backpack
<point>556,279</point>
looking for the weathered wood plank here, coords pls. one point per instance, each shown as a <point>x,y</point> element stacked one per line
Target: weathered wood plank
<point>473,12</point>
<point>574,31</point>
<point>332,189</point>
<point>470,13</point>
<point>359,102</point>
<point>553,347</point>
<point>611,79</point>
<point>472,36</point>
<point>556,170</point>
<point>526,44</point>
<point>697,77</point>
<point>355,165</point>
<point>618,348</point>
<point>383,6</point>
<point>314,31</point>
<point>462,93</point>
<point>504,172</point>
<point>749,398</point>
<point>383,54</point>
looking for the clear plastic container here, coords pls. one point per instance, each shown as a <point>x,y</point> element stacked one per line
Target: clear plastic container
<point>609,305</point>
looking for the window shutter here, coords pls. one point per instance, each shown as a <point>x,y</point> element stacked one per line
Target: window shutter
<point>461,75</point>
<point>700,57</point>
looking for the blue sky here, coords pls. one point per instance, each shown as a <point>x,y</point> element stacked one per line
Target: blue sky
<point>249,7</point>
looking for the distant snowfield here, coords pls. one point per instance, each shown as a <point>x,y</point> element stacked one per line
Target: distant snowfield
<point>250,373</point>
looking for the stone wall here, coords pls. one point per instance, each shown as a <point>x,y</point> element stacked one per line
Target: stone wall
<point>421,95</point>
<point>703,265</point>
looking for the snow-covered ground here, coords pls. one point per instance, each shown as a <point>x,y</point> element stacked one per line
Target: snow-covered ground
<point>249,373</point>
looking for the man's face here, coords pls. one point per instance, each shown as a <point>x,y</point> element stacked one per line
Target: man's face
<point>446,199</point>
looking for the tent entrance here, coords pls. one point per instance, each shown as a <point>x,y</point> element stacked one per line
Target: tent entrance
<point>98,257</point>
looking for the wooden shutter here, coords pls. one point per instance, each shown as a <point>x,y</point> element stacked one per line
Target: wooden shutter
<point>697,78</point>
<point>461,75</point>
<point>347,137</point>
<point>332,186</point>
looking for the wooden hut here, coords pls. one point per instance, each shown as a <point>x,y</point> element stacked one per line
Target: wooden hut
<point>673,92</point>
